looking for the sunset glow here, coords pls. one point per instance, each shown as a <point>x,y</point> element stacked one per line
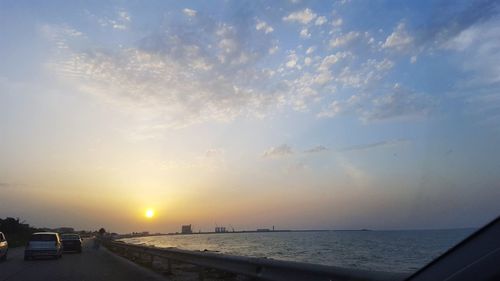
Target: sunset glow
<point>150,213</point>
<point>293,114</point>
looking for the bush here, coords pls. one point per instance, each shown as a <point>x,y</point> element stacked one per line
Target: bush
<point>16,232</point>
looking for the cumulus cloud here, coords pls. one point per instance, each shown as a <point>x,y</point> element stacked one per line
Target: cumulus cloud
<point>278,151</point>
<point>304,17</point>
<point>399,39</point>
<point>304,33</point>
<point>172,78</point>
<point>211,70</point>
<point>333,109</point>
<point>337,22</point>
<point>345,39</point>
<point>262,25</point>
<point>310,50</point>
<point>321,20</point>
<point>189,12</point>
<point>292,60</point>
<point>323,73</point>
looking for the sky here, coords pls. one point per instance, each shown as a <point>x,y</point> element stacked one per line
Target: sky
<point>248,114</point>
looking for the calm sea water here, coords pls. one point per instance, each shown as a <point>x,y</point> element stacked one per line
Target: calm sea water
<point>396,251</point>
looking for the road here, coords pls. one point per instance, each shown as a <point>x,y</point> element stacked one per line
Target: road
<point>90,265</point>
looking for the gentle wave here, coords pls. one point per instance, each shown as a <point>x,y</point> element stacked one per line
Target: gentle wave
<point>394,251</point>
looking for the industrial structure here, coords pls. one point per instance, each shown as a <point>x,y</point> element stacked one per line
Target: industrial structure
<point>220,229</point>
<point>186,229</point>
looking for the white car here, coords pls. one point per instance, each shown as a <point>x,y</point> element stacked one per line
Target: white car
<point>44,244</point>
<point>4,247</point>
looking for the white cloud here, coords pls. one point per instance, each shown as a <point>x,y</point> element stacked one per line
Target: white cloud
<point>316,149</point>
<point>304,33</point>
<point>476,52</point>
<point>262,25</point>
<point>305,16</point>
<point>189,12</point>
<point>169,85</point>
<point>124,16</point>
<point>399,103</point>
<point>120,22</point>
<point>292,60</point>
<point>370,72</point>
<point>379,144</point>
<point>278,151</point>
<point>214,152</point>
<point>333,109</point>
<point>321,20</point>
<point>323,74</point>
<point>273,49</point>
<point>413,59</point>
<point>344,39</point>
<point>310,50</point>
<point>394,103</point>
<point>337,22</point>
<point>399,39</point>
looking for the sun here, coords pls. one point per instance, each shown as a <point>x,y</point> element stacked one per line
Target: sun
<point>150,213</point>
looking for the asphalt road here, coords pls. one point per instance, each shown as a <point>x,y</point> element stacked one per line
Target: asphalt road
<point>90,265</point>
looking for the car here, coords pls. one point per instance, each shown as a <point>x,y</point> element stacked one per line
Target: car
<point>4,247</point>
<point>44,244</point>
<point>71,242</point>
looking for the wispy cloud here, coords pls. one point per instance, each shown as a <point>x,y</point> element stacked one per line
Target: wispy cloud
<point>278,151</point>
<point>450,23</point>
<point>400,102</point>
<point>214,152</point>
<point>120,20</point>
<point>316,149</point>
<point>376,145</point>
<point>189,12</point>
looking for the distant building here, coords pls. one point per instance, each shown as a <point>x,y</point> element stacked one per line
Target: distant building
<point>186,229</point>
<point>263,230</point>
<point>220,229</point>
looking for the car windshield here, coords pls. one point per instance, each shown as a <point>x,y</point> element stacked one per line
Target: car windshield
<point>352,134</point>
<point>43,237</point>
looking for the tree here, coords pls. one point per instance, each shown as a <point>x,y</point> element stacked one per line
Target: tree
<point>102,231</point>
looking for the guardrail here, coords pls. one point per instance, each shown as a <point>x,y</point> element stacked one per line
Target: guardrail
<point>253,268</point>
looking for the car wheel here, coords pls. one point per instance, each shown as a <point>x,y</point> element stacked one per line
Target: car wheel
<point>4,257</point>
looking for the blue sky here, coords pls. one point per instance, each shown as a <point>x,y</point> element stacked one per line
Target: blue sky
<point>300,114</point>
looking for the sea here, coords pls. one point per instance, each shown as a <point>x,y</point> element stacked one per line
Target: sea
<point>390,251</point>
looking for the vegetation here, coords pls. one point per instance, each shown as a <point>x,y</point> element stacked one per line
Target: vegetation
<point>16,232</point>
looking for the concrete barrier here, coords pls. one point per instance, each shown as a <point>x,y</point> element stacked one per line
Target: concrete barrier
<point>251,268</point>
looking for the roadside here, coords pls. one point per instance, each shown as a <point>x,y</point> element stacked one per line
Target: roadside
<point>91,264</point>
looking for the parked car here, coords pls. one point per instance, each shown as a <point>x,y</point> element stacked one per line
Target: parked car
<point>71,242</point>
<point>44,244</point>
<point>4,247</point>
